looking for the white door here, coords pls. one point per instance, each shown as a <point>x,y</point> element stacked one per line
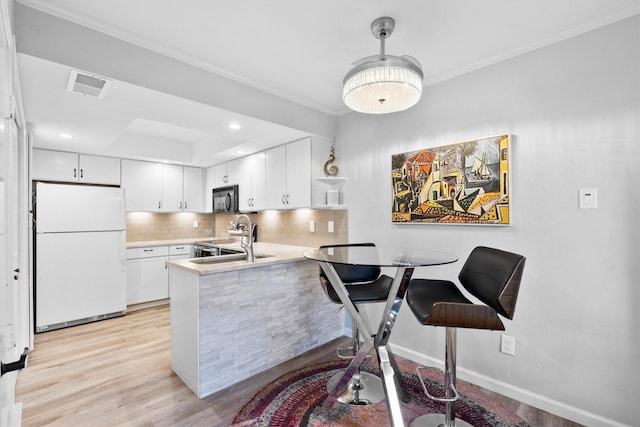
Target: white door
<point>142,182</point>
<point>147,279</point>
<point>55,166</point>
<point>299,174</point>
<point>276,178</point>
<point>193,182</point>
<point>244,184</point>
<point>99,170</point>
<point>258,187</point>
<point>13,314</point>
<point>172,186</point>
<point>14,291</point>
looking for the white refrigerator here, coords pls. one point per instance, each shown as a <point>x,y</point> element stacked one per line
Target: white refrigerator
<point>79,254</point>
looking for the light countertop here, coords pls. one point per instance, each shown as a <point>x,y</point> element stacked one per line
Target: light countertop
<point>280,254</point>
<point>189,241</point>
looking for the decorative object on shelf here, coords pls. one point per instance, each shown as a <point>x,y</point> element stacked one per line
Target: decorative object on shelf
<point>383,83</point>
<point>463,183</point>
<point>329,169</point>
<point>333,193</point>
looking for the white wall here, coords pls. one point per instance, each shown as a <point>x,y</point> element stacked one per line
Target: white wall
<point>573,111</point>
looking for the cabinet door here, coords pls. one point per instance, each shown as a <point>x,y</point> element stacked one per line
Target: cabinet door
<point>233,171</point>
<point>258,186</point>
<point>172,186</point>
<point>147,280</point>
<point>220,175</point>
<point>143,185</point>
<point>275,177</point>
<point>299,174</point>
<point>55,166</point>
<point>99,170</point>
<point>209,185</point>
<point>244,184</point>
<point>193,197</point>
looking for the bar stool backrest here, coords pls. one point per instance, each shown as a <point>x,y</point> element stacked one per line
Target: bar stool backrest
<point>353,273</point>
<point>493,276</point>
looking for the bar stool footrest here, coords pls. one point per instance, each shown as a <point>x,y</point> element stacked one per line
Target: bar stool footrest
<point>340,350</point>
<point>455,396</point>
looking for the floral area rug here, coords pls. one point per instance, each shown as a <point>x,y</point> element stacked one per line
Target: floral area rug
<point>295,399</point>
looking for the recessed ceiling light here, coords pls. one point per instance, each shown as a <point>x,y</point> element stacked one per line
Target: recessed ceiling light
<point>65,136</point>
<point>240,152</point>
<point>235,126</point>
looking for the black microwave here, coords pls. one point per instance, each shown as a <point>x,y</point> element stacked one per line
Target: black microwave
<point>225,199</point>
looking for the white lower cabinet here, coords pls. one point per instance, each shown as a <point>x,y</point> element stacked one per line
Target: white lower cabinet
<point>147,274</point>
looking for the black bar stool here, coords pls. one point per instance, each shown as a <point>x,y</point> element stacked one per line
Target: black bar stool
<point>491,275</point>
<point>364,285</point>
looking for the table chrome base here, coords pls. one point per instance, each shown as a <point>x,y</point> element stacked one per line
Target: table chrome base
<point>437,420</point>
<point>369,392</point>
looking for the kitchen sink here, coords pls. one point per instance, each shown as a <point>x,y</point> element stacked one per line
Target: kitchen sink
<point>226,258</point>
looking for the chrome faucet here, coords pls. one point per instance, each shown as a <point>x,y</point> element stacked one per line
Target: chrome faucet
<point>248,233</point>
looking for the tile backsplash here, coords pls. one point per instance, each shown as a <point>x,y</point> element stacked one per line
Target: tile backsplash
<point>147,226</point>
<point>285,227</point>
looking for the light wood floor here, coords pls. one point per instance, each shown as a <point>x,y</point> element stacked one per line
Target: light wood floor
<point>118,373</point>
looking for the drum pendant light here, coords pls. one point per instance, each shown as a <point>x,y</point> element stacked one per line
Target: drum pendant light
<point>383,83</point>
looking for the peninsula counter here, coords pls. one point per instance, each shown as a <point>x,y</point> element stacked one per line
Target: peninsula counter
<point>232,320</point>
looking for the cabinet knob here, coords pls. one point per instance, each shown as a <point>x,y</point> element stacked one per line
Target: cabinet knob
<point>180,205</point>
<point>283,196</point>
<point>81,173</point>
<point>287,198</point>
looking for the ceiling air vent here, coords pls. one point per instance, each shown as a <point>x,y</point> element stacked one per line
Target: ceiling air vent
<point>87,84</point>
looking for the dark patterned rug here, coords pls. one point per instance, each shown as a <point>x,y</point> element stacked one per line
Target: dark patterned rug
<point>295,399</point>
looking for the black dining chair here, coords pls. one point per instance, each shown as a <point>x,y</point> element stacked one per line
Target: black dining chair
<point>491,275</point>
<point>364,284</point>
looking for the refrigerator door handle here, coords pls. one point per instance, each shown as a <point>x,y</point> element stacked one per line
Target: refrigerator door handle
<point>123,257</point>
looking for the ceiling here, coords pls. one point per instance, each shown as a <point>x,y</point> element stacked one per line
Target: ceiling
<point>298,50</point>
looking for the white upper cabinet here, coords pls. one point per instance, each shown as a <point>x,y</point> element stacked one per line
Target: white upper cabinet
<point>288,176</point>
<point>193,189</point>
<point>142,182</point>
<point>72,167</point>
<point>210,183</point>
<point>251,182</point>
<point>162,187</point>
<point>172,188</point>
<point>276,177</point>
<point>226,174</point>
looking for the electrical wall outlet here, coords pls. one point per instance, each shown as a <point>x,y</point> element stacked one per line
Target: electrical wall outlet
<point>196,223</point>
<point>312,226</point>
<point>508,344</point>
<point>330,227</point>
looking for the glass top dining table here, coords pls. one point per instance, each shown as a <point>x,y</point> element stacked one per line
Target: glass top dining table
<point>405,260</point>
<point>380,256</point>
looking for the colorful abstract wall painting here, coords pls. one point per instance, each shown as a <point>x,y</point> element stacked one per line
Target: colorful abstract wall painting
<point>462,183</point>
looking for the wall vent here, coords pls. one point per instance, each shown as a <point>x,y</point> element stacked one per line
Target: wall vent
<point>87,84</point>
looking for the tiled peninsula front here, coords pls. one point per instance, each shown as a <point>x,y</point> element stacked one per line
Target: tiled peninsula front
<point>233,320</point>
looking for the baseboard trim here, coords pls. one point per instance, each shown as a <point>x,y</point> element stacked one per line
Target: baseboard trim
<point>525,396</point>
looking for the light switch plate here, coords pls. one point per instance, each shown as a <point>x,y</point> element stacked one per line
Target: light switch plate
<point>196,223</point>
<point>588,198</point>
